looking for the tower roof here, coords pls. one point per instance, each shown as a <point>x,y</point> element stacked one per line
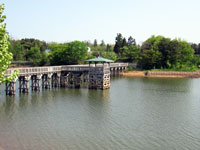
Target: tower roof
<point>100,59</point>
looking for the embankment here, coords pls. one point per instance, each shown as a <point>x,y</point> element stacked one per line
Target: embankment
<point>167,74</point>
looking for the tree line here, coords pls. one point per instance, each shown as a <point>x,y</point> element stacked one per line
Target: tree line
<point>40,53</point>
<point>157,52</point>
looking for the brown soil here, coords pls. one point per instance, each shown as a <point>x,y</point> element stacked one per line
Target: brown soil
<point>162,74</point>
<point>133,74</point>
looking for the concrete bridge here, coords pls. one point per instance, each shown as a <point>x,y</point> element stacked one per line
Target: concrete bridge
<point>96,76</point>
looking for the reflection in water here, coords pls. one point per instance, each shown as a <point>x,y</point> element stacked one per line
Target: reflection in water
<point>34,99</point>
<point>98,103</point>
<point>135,113</point>
<point>10,107</point>
<point>23,101</point>
<point>103,95</point>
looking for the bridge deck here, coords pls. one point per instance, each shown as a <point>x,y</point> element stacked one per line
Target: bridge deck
<point>51,69</point>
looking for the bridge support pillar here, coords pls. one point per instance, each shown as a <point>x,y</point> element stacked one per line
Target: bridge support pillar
<point>99,78</point>
<point>115,71</point>
<point>84,79</point>
<point>35,80</point>
<point>10,88</point>
<point>55,80</point>
<point>24,84</point>
<point>64,80</point>
<point>75,80</point>
<point>46,81</point>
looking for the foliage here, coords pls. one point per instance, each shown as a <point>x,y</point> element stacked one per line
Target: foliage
<point>191,68</point>
<point>29,43</point>
<point>131,53</point>
<point>118,43</point>
<point>44,59</point>
<point>68,53</point>
<point>157,52</point>
<point>34,55</point>
<point>129,68</point>
<point>32,50</point>
<point>17,50</point>
<point>131,41</point>
<point>196,61</point>
<point>56,57</point>
<point>196,48</point>
<point>109,55</point>
<point>126,51</point>
<point>102,43</point>
<point>150,59</point>
<point>5,55</point>
<point>95,42</point>
<point>160,52</point>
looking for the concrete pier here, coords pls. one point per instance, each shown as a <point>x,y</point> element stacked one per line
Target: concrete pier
<point>35,82</point>
<point>46,81</point>
<point>10,88</point>
<point>99,78</point>
<point>24,84</point>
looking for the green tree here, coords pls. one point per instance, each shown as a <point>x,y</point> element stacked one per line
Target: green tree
<point>196,48</point>
<point>109,55</point>
<point>95,43</point>
<point>180,53</point>
<point>57,56</point>
<point>109,48</point>
<point>44,59</point>
<point>17,50</point>
<point>131,53</point>
<point>164,48</point>
<point>124,43</point>
<point>118,43</point>
<point>160,52</point>
<point>34,55</point>
<point>5,55</point>
<point>68,54</point>
<point>131,41</point>
<point>150,59</point>
<point>29,43</point>
<point>102,43</point>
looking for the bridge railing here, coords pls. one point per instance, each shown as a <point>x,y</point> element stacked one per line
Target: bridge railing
<point>34,70</point>
<point>118,64</point>
<point>48,69</point>
<point>75,68</point>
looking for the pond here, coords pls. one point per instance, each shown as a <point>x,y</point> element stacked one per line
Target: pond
<point>135,113</point>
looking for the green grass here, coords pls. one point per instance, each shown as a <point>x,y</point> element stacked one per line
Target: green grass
<point>187,69</point>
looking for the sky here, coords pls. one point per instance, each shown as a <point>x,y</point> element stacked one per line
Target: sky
<point>86,20</point>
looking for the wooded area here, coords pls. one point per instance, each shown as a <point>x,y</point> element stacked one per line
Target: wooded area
<point>157,52</point>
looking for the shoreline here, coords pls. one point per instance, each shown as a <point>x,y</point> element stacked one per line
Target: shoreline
<point>161,74</point>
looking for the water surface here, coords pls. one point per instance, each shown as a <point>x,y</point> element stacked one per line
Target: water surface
<point>135,113</point>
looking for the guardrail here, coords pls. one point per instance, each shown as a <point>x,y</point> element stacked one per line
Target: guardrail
<point>118,64</point>
<point>49,69</point>
<point>75,68</point>
<point>34,70</point>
